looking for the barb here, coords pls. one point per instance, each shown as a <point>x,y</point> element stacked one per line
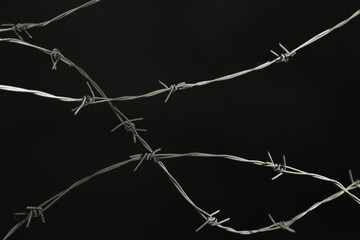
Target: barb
<point>55,55</point>
<point>130,127</point>
<point>17,29</point>
<point>212,221</point>
<point>284,57</point>
<point>147,156</point>
<point>173,88</point>
<point>33,212</point>
<point>23,27</point>
<point>280,168</point>
<point>86,99</point>
<point>282,225</point>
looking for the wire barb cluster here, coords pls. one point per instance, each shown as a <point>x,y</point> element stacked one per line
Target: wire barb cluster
<point>151,156</point>
<point>284,57</point>
<point>154,155</point>
<point>33,212</point>
<point>282,225</point>
<point>130,126</point>
<point>212,221</point>
<point>174,87</point>
<point>279,168</point>
<point>55,56</point>
<point>86,100</point>
<point>18,29</point>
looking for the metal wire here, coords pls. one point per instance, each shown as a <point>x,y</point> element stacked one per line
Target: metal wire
<point>24,27</point>
<point>39,93</point>
<point>284,57</point>
<point>209,217</point>
<point>153,155</point>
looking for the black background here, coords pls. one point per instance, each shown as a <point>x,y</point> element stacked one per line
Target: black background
<point>306,109</point>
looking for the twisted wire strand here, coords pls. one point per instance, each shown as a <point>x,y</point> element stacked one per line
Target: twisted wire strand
<point>39,93</point>
<point>326,32</point>
<point>15,228</point>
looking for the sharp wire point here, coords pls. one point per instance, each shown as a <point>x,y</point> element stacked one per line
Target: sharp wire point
<point>351,176</point>
<point>270,157</point>
<point>164,85</point>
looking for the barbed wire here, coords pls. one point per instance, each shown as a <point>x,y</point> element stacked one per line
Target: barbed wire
<point>283,57</point>
<point>24,27</point>
<point>153,155</point>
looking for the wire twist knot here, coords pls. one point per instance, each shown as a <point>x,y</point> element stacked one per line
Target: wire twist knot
<point>357,183</point>
<point>212,221</point>
<point>173,88</point>
<point>89,99</point>
<point>282,225</point>
<point>129,126</point>
<point>150,156</point>
<point>55,57</point>
<point>33,212</point>
<point>86,100</point>
<point>18,29</point>
<point>283,57</point>
<point>278,167</point>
